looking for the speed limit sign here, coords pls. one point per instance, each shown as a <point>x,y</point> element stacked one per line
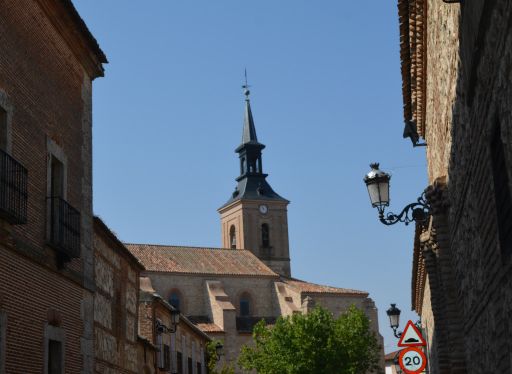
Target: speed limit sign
<point>412,360</point>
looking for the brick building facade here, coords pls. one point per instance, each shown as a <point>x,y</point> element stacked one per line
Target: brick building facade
<point>48,61</point>
<point>457,80</point>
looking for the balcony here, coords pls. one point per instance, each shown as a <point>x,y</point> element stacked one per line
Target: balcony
<point>246,324</point>
<point>13,190</point>
<point>64,228</point>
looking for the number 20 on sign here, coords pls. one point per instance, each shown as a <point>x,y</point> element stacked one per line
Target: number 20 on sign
<point>412,360</point>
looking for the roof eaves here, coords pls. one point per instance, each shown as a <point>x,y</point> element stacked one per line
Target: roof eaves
<point>67,20</point>
<point>276,276</point>
<point>341,291</point>
<point>412,19</point>
<point>91,40</point>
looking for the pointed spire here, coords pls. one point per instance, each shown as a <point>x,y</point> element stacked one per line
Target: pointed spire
<point>252,184</point>
<point>249,133</point>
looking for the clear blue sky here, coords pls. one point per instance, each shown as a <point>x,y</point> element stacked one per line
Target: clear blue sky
<point>326,99</point>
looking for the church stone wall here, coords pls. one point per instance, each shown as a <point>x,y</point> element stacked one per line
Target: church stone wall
<point>194,292</point>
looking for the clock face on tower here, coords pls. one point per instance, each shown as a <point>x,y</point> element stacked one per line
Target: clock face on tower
<point>263,209</point>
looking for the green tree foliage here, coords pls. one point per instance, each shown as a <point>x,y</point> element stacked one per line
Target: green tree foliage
<point>313,343</point>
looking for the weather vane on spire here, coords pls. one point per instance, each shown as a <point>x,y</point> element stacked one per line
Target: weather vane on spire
<point>246,86</point>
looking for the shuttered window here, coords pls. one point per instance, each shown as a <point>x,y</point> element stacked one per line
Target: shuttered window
<point>179,360</point>
<point>500,171</point>
<point>167,357</point>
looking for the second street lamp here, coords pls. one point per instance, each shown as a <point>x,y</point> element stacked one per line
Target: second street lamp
<point>175,320</point>
<point>394,319</point>
<point>219,350</point>
<point>377,182</point>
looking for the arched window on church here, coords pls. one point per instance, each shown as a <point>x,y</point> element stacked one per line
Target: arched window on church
<point>265,235</point>
<point>176,300</point>
<point>232,237</point>
<point>245,305</point>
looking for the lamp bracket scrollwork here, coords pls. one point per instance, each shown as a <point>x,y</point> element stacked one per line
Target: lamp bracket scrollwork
<point>418,211</point>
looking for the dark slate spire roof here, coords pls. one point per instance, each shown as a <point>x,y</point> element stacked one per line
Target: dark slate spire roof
<point>252,184</point>
<point>249,133</point>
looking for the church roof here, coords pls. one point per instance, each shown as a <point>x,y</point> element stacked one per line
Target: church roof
<point>199,260</point>
<point>254,189</point>
<point>306,287</point>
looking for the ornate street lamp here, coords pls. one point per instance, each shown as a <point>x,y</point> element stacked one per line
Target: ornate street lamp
<point>394,319</point>
<point>161,328</point>
<point>377,182</point>
<point>219,350</point>
<point>175,320</point>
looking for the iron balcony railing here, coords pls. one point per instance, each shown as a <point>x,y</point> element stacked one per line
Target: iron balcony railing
<point>64,228</point>
<point>13,190</point>
<point>246,324</point>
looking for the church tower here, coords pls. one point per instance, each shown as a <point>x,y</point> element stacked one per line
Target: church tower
<point>255,217</point>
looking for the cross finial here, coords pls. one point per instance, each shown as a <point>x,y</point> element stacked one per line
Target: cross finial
<point>246,86</point>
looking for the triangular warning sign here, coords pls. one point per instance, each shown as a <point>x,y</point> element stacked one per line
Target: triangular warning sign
<point>411,337</point>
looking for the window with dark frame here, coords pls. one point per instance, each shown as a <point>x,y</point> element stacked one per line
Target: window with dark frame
<point>55,357</point>
<point>245,305</point>
<point>57,178</point>
<point>502,194</point>
<point>199,368</point>
<point>190,365</point>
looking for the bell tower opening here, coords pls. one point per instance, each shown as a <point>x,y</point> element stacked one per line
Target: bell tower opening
<point>232,237</point>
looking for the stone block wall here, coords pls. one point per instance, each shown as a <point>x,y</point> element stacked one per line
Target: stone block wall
<point>116,307</point>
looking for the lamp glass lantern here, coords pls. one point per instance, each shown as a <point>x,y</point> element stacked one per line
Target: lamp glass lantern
<point>394,316</point>
<point>218,349</point>
<point>377,182</point>
<point>175,318</point>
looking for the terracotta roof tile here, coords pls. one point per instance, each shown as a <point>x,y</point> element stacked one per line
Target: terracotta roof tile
<point>209,327</point>
<point>199,260</point>
<point>307,287</point>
